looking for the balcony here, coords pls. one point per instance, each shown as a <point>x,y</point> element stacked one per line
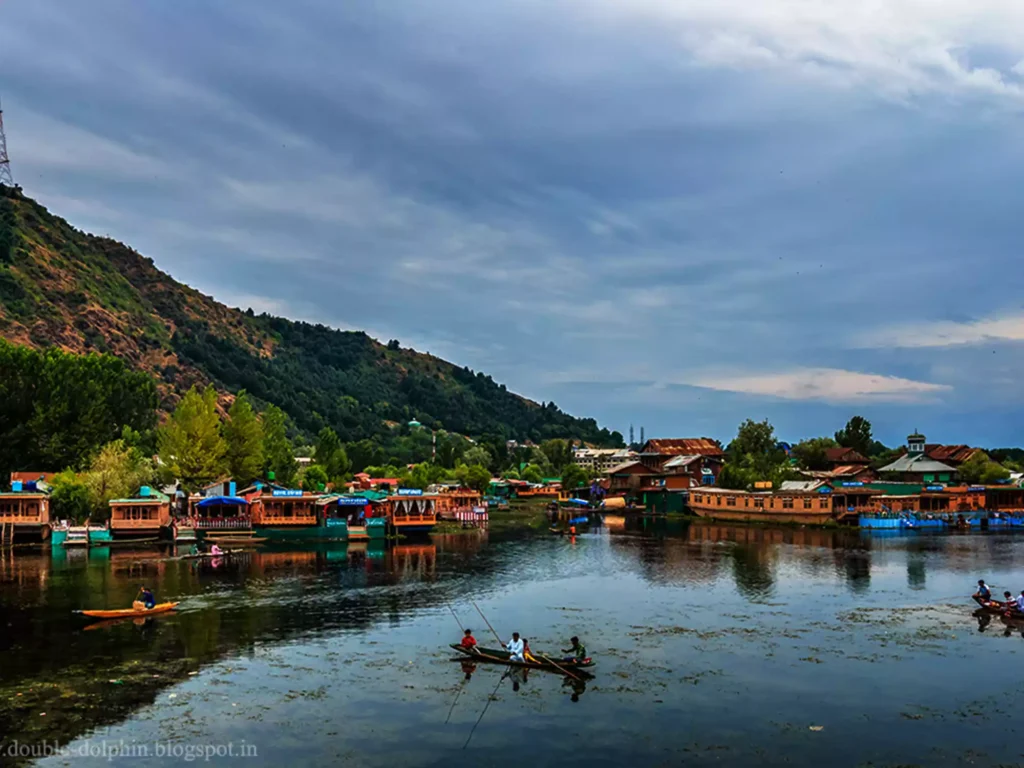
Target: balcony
<point>135,524</point>
<point>222,523</point>
<point>266,519</point>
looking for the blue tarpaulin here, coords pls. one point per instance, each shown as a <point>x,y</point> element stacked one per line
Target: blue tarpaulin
<point>578,502</point>
<point>223,501</point>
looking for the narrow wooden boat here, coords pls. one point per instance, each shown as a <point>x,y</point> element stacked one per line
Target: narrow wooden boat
<point>501,656</point>
<point>995,606</point>
<point>129,613</point>
<point>210,555</point>
<point>236,541</point>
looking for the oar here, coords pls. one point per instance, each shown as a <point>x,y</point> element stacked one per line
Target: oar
<point>489,700</point>
<point>496,635</point>
<point>561,669</point>
<point>454,616</point>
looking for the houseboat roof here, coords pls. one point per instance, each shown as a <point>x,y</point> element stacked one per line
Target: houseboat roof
<point>801,486</point>
<point>153,496</point>
<point>223,501</point>
<point>682,446</point>
<point>918,463</point>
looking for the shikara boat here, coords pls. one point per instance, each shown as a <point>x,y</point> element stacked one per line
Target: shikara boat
<point>130,613</point>
<point>210,555</point>
<point>236,541</point>
<point>501,656</point>
<point>995,606</point>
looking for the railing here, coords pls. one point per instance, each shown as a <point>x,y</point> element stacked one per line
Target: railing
<point>266,519</point>
<point>204,523</point>
<point>133,523</point>
<point>413,519</point>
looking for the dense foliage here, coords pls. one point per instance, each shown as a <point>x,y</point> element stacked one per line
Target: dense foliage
<point>58,409</point>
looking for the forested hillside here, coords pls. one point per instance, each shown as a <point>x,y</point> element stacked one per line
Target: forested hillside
<point>60,287</point>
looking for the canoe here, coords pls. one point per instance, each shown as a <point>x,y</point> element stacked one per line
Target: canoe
<point>235,541</point>
<point>496,656</point>
<point>210,555</point>
<point>995,606</point>
<point>127,613</point>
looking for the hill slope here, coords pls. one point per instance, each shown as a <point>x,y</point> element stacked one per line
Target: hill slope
<point>63,287</point>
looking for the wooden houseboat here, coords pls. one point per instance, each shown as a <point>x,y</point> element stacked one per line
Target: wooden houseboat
<point>220,514</point>
<point>454,503</point>
<point>25,513</point>
<point>412,511</point>
<point>284,513</point>
<point>810,506</point>
<point>146,515</point>
<point>351,518</point>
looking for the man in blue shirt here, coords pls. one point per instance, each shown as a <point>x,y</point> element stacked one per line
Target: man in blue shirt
<point>983,591</point>
<point>149,601</point>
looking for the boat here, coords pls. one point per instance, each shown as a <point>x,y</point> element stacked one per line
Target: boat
<point>501,656</point>
<point>236,540</point>
<point>561,532</point>
<point>128,613</point>
<point>995,606</point>
<point>210,555</point>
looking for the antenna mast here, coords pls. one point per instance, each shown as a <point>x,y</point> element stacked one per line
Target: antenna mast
<point>5,161</point>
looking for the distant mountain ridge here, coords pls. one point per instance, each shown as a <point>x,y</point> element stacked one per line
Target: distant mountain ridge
<point>63,287</point>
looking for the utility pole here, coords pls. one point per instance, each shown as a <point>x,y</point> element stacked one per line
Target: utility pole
<point>5,162</point>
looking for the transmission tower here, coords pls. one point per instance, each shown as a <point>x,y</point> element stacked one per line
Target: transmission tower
<point>5,161</point>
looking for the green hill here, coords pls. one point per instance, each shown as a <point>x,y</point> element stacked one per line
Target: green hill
<point>61,287</point>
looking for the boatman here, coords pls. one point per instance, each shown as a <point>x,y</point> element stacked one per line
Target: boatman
<point>468,641</point>
<point>515,645</point>
<point>579,653</point>
<point>1020,602</point>
<point>983,591</point>
<point>147,598</point>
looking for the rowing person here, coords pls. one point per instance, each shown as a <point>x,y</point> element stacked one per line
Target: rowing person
<point>1008,601</point>
<point>147,598</point>
<point>1019,605</point>
<point>578,651</point>
<point>983,591</point>
<point>515,646</point>
<point>215,550</point>
<point>468,641</point>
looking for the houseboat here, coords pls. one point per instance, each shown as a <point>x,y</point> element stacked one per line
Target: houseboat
<point>284,513</point>
<point>212,515</point>
<point>351,517</point>
<point>811,505</point>
<point>144,516</point>
<point>412,511</point>
<point>25,513</point>
<point>454,503</point>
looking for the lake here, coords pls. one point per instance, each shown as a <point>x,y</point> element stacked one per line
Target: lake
<point>722,645</point>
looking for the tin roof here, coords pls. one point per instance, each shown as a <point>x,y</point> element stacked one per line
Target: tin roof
<point>846,456</point>
<point>957,454</point>
<point>906,463</point>
<point>682,446</point>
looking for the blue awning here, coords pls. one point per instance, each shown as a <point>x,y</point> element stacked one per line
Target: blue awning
<point>223,501</point>
<point>578,502</point>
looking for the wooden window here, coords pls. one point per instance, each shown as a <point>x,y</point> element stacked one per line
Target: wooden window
<point>807,503</point>
<point>746,501</point>
<point>787,503</point>
<point>759,502</point>
<point>731,501</point>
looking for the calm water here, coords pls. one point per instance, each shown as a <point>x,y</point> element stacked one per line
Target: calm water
<point>716,645</point>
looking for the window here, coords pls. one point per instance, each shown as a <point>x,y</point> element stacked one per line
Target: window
<point>807,503</point>
<point>719,501</point>
<point>746,501</point>
<point>731,501</point>
<point>759,503</point>
<point>787,503</point>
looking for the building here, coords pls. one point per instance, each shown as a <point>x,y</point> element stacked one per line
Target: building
<point>25,512</point>
<point>809,502</point>
<point>916,466</point>
<point>147,514</point>
<point>844,457</point>
<point>599,461</point>
<point>698,457</point>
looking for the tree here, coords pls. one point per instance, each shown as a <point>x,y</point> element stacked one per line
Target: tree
<point>70,498</point>
<point>117,472</point>
<point>314,479</point>
<point>477,455</point>
<point>558,453</point>
<point>531,474</point>
<point>478,477</point>
<point>243,435</point>
<point>574,476</point>
<point>980,469</point>
<point>811,453</point>
<point>278,455</point>
<point>857,435</point>
<point>190,444</point>
<point>330,455</point>
<point>756,448</point>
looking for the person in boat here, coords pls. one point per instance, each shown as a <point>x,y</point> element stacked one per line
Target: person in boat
<point>215,550</point>
<point>572,530</point>
<point>468,641</point>
<point>515,647</point>
<point>1019,604</point>
<point>527,656</point>
<point>983,590</point>
<point>577,649</point>
<point>148,599</point>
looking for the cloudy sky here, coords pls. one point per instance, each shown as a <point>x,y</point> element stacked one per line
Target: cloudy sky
<point>671,213</point>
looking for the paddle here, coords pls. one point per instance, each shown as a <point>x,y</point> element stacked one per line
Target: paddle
<point>496,636</point>
<point>561,669</point>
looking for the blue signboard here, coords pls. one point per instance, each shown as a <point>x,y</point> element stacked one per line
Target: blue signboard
<point>410,492</point>
<point>287,493</point>
<point>935,488</point>
<point>852,485</point>
<point>824,489</point>
<point>334,522</point>
<point>352,502</point>
<point>976,488</point>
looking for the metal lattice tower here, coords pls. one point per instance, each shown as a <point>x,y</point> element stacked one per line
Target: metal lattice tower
<point>5,161</point>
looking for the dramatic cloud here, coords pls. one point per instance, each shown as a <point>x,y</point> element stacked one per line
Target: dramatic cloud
<point>831,385</point>
<point>606,204</point>
<point>948,333</point>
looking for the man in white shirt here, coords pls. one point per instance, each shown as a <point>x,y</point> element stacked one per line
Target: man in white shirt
<point>515,645</point>
<point>1020,601</point>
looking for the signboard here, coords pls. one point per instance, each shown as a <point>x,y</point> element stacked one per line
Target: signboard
<point>410,492</point>
<point>853,485</point>
<point>824,489</point>
<point>352,502</point>
<point>287,493</point>
<point>336,522</point>
<point>976,488</point>
<point>935,488</point>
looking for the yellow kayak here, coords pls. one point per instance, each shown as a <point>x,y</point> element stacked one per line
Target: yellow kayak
<point>124,613</point>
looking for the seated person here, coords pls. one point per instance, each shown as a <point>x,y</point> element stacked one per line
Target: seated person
<point>578,651</point>
<point>468,641</point>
